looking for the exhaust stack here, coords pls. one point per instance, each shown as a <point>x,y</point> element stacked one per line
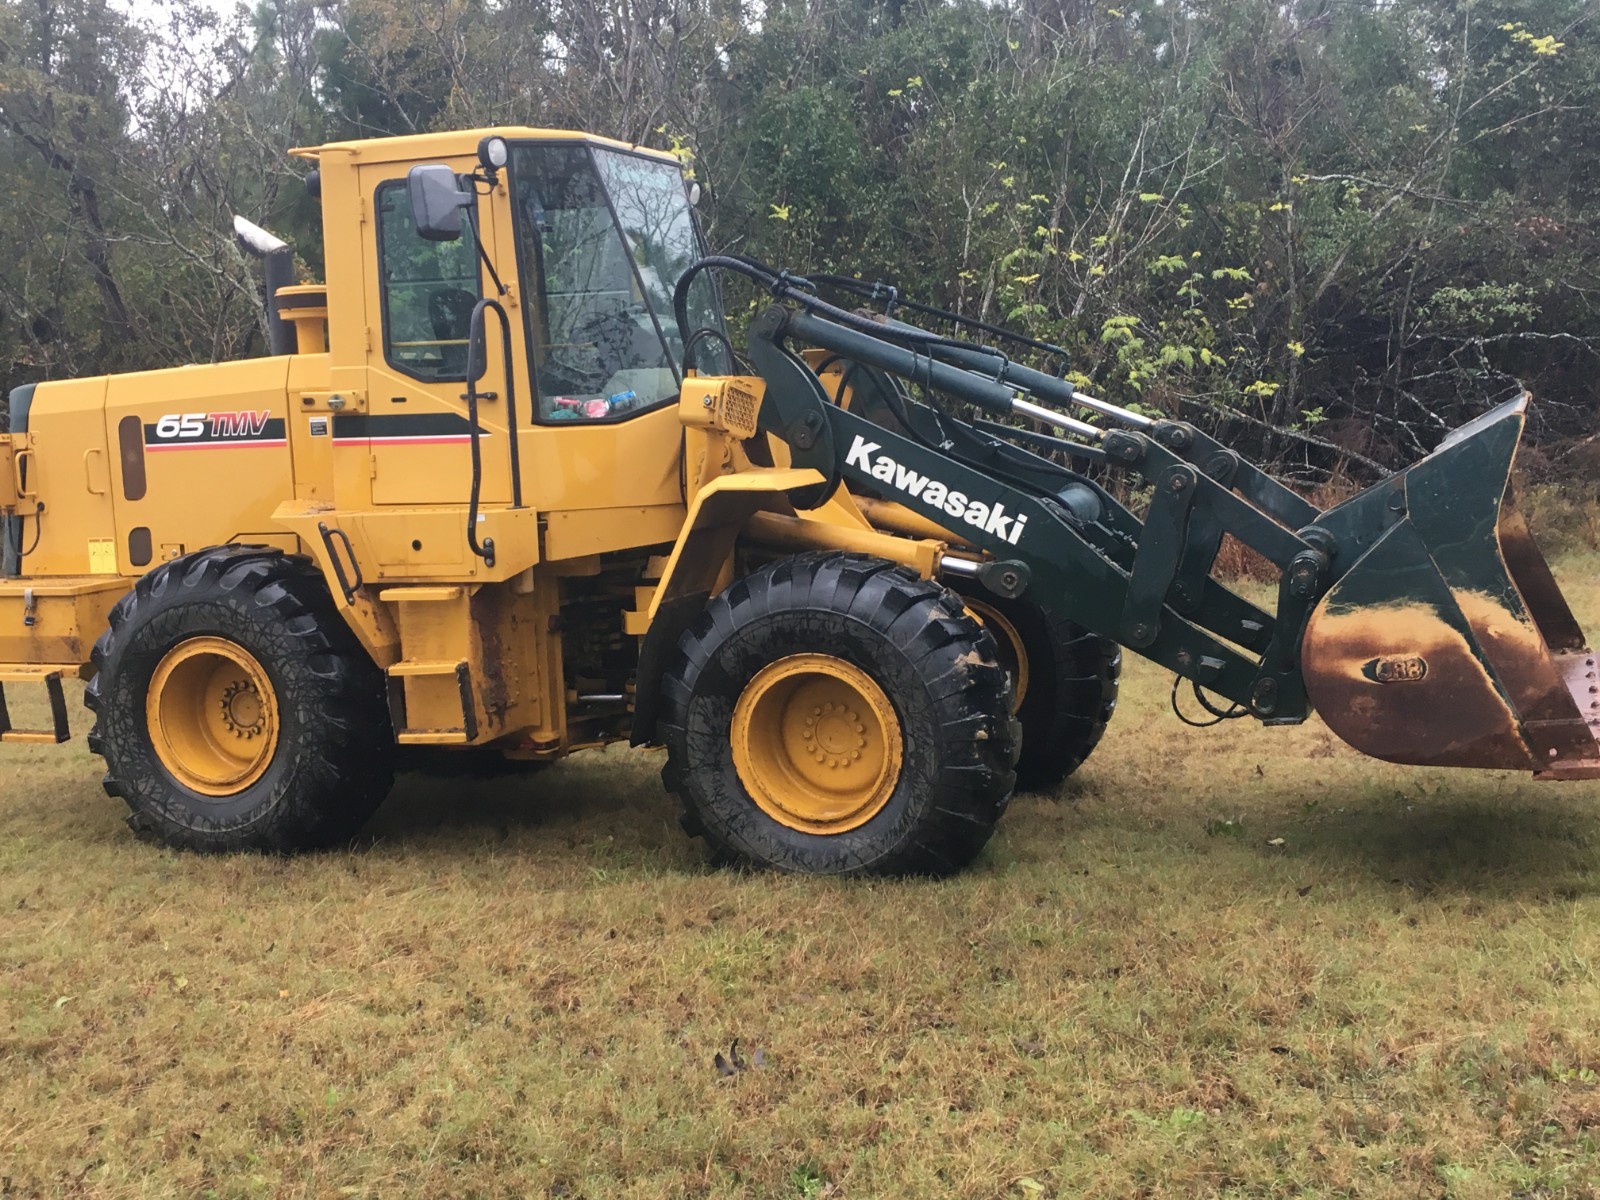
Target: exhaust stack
<point>277,264</point>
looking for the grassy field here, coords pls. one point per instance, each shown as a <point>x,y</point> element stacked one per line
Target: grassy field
<point>1235,962</point>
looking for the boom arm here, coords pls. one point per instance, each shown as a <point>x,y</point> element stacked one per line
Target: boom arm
<point>1418,615</point>
<point>1094,564</point>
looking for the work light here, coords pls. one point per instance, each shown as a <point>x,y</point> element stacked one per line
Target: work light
<point>493,153</point>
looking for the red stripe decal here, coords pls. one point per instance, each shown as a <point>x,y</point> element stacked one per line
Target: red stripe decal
<point>241,444</point>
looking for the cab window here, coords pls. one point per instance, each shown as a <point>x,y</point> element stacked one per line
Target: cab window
<point>603,335</point>
<point>427,292</point>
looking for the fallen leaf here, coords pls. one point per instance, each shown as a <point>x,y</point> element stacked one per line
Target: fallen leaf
<point>733,1062</point>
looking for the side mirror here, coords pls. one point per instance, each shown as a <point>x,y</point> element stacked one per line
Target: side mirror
<point>436,201</point>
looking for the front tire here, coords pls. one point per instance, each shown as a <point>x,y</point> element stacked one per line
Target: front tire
<point>1066,679</point>
<point>235,709</point>
<point>836,714</point>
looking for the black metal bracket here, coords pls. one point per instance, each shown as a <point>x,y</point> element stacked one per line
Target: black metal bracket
<point>1007,578</point>
<point>469,708</point>
<point>795,406</point>
<point>1206,530</point>
<point>1160,549</point>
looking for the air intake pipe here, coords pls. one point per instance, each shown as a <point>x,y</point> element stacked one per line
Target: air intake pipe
<point>277,265</point>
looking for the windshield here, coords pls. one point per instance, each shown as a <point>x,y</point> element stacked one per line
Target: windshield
<point>606,235</point>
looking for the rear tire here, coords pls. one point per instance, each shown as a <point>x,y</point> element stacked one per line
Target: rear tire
<point>1072,677</point>
<point>235,709</point>
<point>823,669</point>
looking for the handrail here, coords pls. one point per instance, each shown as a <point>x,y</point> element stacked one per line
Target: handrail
<point>477,346</point>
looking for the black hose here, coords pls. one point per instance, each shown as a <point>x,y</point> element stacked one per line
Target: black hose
<point>786,286</point>
<point>1218,715</point>
<point>893,299</point>
<point>700,335</point>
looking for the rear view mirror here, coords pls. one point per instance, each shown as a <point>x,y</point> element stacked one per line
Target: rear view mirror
<point>436,201</point>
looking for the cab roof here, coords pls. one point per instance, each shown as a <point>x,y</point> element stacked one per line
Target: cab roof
<point>457,143</point>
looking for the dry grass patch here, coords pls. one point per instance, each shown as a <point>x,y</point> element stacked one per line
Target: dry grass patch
<point>522,990</point>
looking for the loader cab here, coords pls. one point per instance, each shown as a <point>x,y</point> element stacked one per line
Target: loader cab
<point>581,240</point>
<point>599,236</point>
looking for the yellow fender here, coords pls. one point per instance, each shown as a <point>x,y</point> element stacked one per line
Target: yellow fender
<point>371,621</point>
<point>755,503</point>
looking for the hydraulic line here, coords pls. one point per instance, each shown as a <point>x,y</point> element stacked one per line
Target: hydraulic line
<point>980,374</point>
<point>892,298</point>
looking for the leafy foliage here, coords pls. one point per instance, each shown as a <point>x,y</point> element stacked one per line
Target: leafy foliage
<point>1334,230</point>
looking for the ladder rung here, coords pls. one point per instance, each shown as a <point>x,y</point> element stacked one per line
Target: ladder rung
<point>407,736</point>
<point>436,595</point>
<point>33,674</point>
<point>433,737</point>
<point>51,678</point>
<point>436,667</point>
<point>26,737</point>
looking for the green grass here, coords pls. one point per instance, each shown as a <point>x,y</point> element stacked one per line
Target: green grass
<point>521,990</point>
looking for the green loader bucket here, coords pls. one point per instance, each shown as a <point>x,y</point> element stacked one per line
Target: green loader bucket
<point>1447,642</point>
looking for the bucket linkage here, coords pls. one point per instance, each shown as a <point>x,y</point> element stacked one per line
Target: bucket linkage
<point>1418,617</point>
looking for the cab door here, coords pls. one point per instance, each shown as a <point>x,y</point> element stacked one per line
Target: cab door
<point>420,296</point>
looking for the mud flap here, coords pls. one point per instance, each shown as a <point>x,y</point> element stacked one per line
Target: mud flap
<point>1447,642</point>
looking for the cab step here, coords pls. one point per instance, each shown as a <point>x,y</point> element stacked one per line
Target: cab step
<point>444,676</point>
<point>51,678</point>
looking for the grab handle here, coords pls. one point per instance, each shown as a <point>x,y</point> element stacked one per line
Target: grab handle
<point>345,585</point>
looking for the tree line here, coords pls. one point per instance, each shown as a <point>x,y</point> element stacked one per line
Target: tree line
<point>1332,229</point>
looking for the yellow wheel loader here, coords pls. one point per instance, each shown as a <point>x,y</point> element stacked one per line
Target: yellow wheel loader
<point>500,493</point>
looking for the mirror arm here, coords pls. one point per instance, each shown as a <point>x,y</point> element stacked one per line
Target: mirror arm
<point>483,255</point>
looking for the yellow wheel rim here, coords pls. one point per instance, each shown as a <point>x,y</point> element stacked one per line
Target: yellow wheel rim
<point>816,743</point>
<point>1013,657</point>
<point>213,716</point>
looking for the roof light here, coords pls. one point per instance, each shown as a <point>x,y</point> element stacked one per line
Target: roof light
<point>493,153</point>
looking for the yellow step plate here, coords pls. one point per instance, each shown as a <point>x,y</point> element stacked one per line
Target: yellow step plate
<point>26,737</point>
<point>34,673</point>
<point>51,679</point>
<point>433,737</point>
<point>439,667</point>
<point>405,595</point>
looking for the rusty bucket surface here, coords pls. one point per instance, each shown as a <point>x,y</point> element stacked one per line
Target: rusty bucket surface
<point>1447,642</point>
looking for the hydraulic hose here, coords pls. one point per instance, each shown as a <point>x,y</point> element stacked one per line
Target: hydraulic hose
<point>796,288</point>
<point>892,299</point>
